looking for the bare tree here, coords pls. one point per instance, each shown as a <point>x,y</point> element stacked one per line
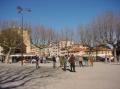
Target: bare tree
<point>51,35</point>
<point>35,36</point>
<point>107,30</point>
<point>42,37</point>
<point>39,37</point>
<point>71,34</point>
<point>67,35</point>
<point>10,39</point>
<point>87,37</point>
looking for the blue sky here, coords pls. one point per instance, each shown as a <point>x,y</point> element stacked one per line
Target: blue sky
<point>57,14</point>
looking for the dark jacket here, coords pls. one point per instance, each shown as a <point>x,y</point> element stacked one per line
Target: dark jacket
<point>54,59</point>
<point>72,59</point>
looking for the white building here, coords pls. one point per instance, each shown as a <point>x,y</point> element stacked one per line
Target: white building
<point>59,48</point>
<point>53,49</point>
<point>63,44</point>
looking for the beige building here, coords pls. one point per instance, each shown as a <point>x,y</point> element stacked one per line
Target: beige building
<point>26,40</point>
<point>64,47</point>
<point>45,51</point>
<point>35,50</point>
<point>78,49</point>
<point>30,48</point>
<point>100,51</point>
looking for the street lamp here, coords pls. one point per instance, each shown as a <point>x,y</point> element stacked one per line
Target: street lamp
<point>21,11</point>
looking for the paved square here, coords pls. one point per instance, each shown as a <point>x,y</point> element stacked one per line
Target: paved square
<point>100,76</point>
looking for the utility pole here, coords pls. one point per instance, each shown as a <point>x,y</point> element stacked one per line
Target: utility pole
<point>21,11</point>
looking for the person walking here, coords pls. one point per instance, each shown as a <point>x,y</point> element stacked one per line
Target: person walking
<point>91,61</point>
<point>81,61</point>
<point>37,62</point>
<point>85,59</point>
<point>54,62</point>
<point>44,59</point>
<point>61,61</point>
<point>72,63</point>
<point>57,61</point>
<point>65,62</point>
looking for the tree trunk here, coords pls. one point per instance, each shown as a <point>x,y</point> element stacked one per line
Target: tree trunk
<point>96,55</point>
<point>7,57</point>
<point>119,58</point>
<point>115,55</point>
<point>89,56</point>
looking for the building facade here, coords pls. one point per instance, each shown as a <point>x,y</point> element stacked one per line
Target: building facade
<point>26,41</point>
<point>100,51</point>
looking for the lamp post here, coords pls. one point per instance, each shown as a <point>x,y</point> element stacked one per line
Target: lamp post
<point>21,11</point>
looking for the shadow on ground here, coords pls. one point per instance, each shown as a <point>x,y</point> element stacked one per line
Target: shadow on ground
<point>13,77</point>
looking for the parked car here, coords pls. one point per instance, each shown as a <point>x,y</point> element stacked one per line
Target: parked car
<point>33,61</point>
<point>100,59</point>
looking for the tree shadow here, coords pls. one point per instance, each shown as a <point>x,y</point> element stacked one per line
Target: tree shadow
<point>5,77</point>
<point>10,78</point>
<point>19,78</point>
<point>23,83</point>
<point>67,69</point>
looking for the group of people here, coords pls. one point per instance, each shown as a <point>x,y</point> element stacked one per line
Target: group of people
<point>71,61</point>
<point>63,62</point>
<point>68,62</point>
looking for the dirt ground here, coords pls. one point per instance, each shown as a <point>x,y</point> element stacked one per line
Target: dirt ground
<point>100,76</point>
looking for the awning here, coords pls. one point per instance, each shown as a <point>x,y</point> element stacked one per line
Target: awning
<point>19,55</point>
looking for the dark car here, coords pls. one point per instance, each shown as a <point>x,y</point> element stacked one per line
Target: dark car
<point>100,59</point>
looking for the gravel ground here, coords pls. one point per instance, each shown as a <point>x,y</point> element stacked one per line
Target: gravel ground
<point>100,76</point>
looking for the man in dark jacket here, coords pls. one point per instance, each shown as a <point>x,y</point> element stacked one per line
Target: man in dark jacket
<point>37,61</point>
<point>65,62</point>
<point>54,61</point>
<point>72,63</point>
